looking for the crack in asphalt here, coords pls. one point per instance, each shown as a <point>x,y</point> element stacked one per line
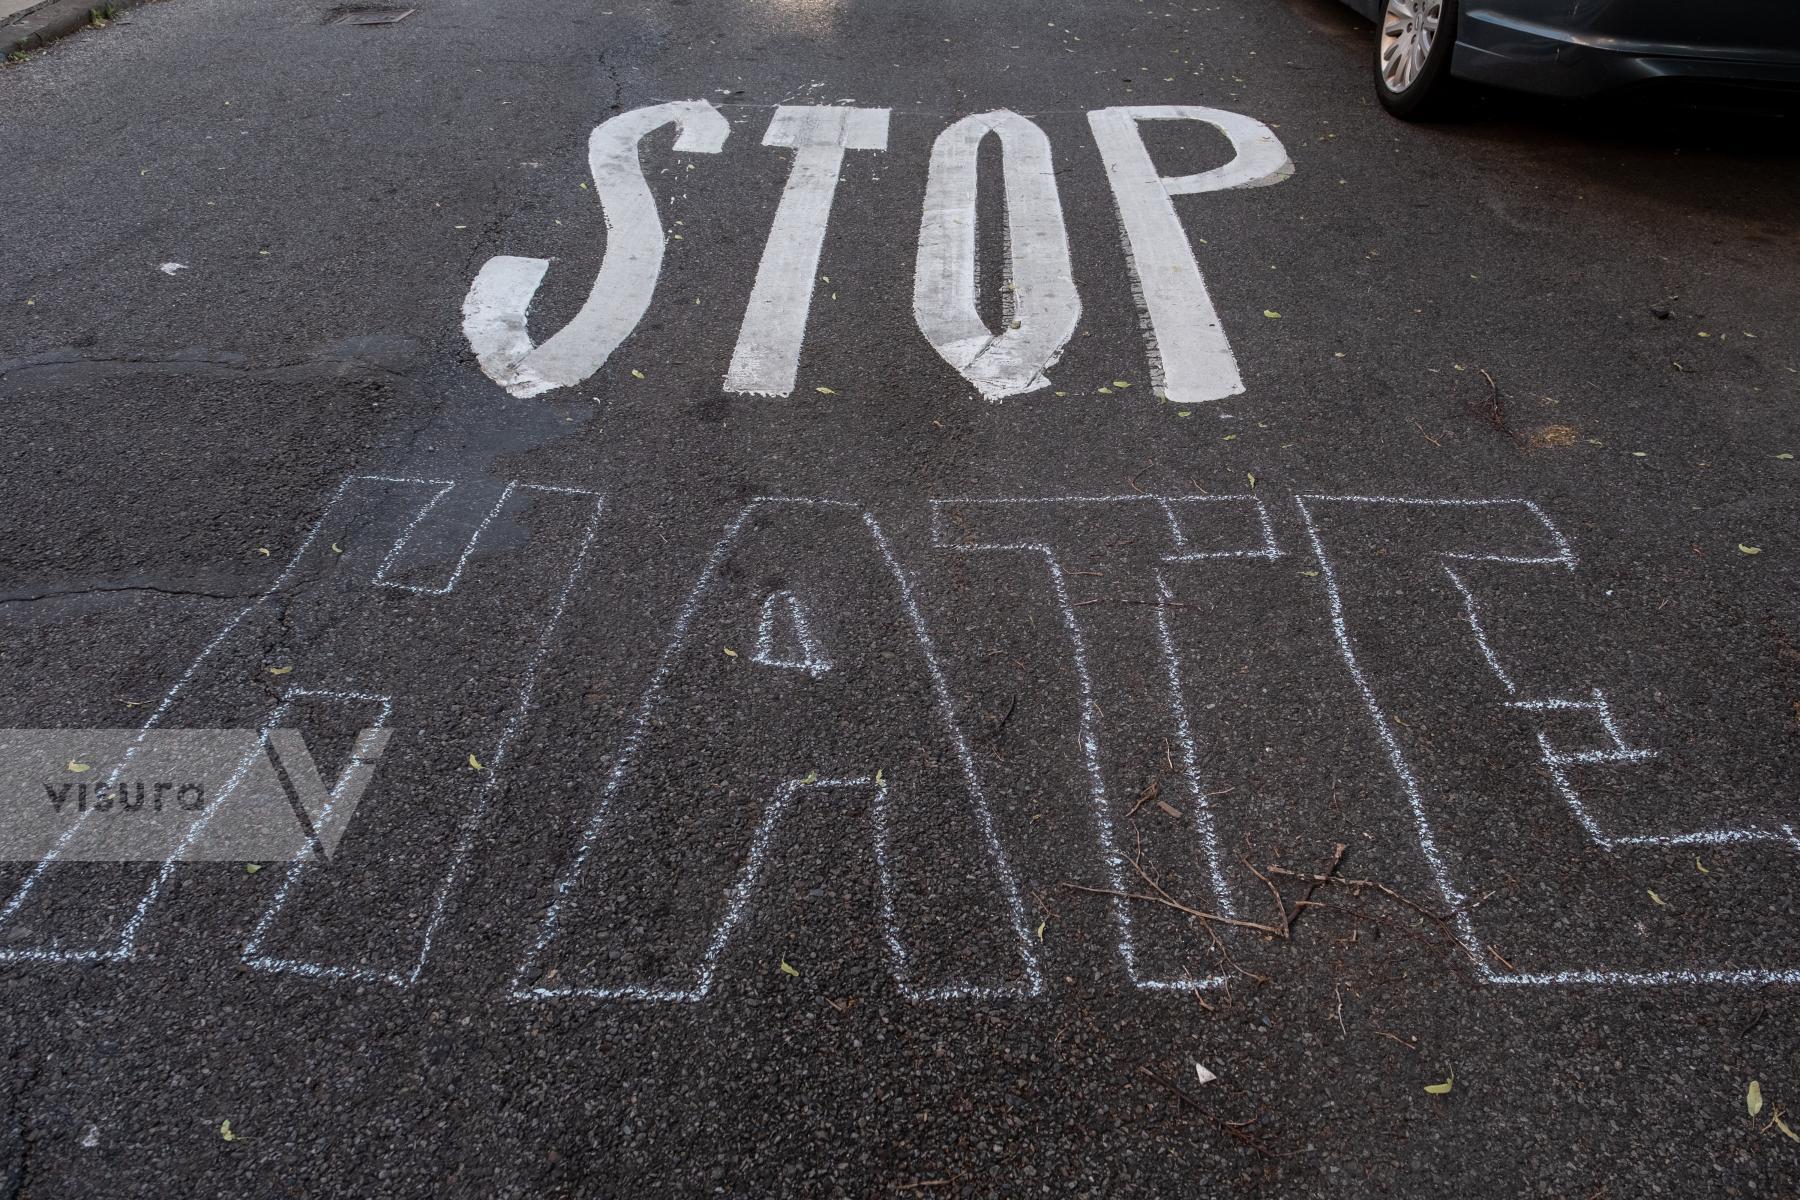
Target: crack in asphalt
<point>105,589</point>
<point>13,1188</point>
<point>221,363</point>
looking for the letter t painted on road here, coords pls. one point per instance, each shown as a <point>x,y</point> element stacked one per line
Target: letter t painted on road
<point>767,356</point>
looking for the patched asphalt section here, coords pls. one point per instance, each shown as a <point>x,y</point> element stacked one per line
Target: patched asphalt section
<point>893,804</point>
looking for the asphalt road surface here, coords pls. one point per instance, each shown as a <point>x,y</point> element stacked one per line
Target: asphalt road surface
<point>1010,640</point>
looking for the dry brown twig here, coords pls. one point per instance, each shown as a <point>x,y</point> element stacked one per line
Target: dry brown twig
<point>1283,931</point>
<point>1337,856</point>
<point>1231,962</point>
<point>1231,1129</point>
<point>1207,917</point>
<point>1394,1037</point>
<point>1357,884</point>
<point>1289,915</point>
<point>1494,411</point>
<point>1287,922</point>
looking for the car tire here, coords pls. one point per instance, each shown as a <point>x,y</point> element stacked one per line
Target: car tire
<point>1413,40</point>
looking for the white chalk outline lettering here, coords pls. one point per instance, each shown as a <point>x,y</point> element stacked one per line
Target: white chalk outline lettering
<point>550,927</point>
<point>1100,806</point>
<point>813,659</point>
<point>124,945</point>
<point>1563,556</point>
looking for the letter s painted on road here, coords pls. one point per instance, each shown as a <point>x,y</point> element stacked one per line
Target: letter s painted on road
<point>494,310</point>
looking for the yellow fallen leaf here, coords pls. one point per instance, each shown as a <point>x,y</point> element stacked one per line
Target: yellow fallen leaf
<point>225,1131</point>
<point>788,968</point>
<point>475,763</point>
<point>1442,1089</point>
<point>280,670</point>
<point>1230,437</point>
<point>824,391</point>
<point>1105,391</point>
<point>336,549</point>
<point>1184,413</point>
<point>1753,1097</point>
<point>1659,900</point>
<point>1784,456</point>
<point>1121,383</point>
<point>878,778</point>
<point>730,653</point>
<point>263,550</point>
<point>252,868</point>
<point>79,767</point>
<point>1270,313</point>
<point>1065,393</point>
<point>1310,574</point>
<point>811,777</point>
<point>1698,867</point>
<point>1252,479</point>
<point>1040,930</point>
<point>1743,549</point>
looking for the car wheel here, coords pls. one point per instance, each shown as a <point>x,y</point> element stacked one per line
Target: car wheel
<point>1412,56</point>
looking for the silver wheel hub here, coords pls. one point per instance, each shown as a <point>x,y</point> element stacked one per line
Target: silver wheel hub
<point>1408,29</point>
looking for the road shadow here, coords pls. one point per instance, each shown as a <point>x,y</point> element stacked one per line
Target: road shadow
<point>1733,151</point>
<point>1653,118</point>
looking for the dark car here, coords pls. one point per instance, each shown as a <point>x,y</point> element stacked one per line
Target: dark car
<point>1577,47</point>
